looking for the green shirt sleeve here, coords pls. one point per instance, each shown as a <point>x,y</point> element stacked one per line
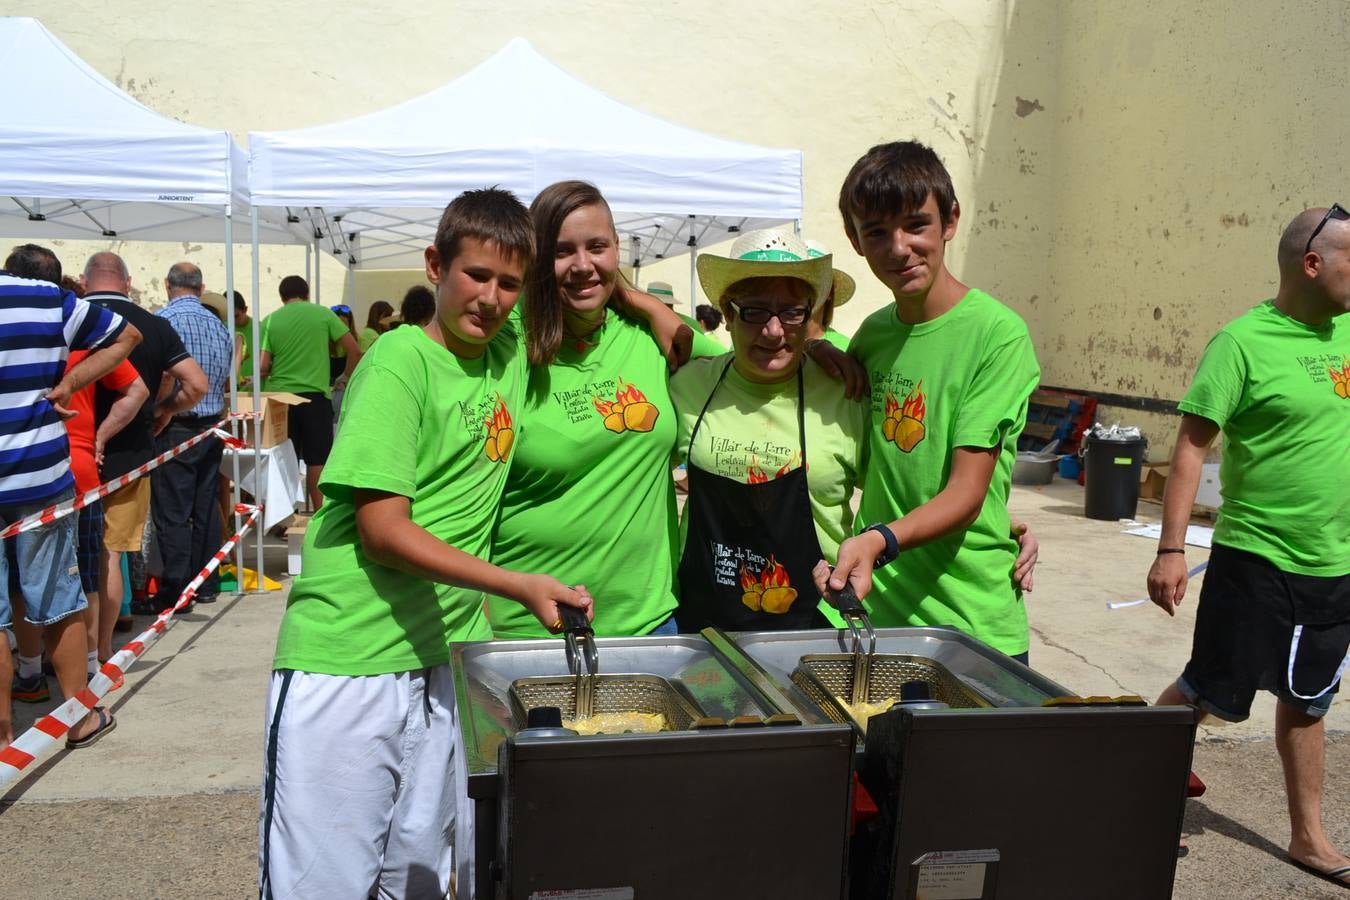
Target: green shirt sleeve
<point>997,395</point>
<point>1216,391</point>
<point>381,417</point>
<point>705,346</point>
<point>266,335</point>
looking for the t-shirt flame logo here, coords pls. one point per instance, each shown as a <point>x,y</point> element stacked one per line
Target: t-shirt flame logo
<point>755,475</point>
<point>629,411</point>
<point>788,466</point>
<point>500,435</point>
<point>770,591</point>
<point>1340,380</point>
<point>904,423</point>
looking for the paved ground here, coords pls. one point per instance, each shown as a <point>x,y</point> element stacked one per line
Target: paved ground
<point>166,805</point>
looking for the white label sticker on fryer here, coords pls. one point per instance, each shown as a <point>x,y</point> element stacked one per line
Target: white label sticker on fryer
<point>618,893</point>
<point>960,882</point>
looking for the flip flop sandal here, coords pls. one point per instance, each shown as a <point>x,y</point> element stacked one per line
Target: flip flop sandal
<point>106,723</point>
<point>1339,875</point>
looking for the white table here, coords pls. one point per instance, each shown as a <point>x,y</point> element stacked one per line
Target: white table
<point>283,485</point>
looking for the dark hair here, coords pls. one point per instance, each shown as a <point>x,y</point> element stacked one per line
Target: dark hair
<point>34,261</point>
<point>240,304</point>
<point>895,178</point>
<point>708,316</point>
<point>379,310</point>
<point>418,306</point>
<point>293,287</point>
<point>344,312</point>
<point>544,307</point>
<point>827,311</point>
<point>71,284</point>
<point>493,216</point>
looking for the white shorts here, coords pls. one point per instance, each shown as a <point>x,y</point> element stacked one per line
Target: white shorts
<point>363,791</point>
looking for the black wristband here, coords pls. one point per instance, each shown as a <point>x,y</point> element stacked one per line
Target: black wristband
<point>1162,550</point>
<point>892,545</point>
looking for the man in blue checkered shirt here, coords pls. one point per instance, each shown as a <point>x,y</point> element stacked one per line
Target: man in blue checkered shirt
<point>183,496</point>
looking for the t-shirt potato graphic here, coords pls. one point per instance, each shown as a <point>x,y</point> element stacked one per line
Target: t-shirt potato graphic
<point>629,411</point>
<point>1341,380</point>
<point>904,423</point>
<point>500,434</point>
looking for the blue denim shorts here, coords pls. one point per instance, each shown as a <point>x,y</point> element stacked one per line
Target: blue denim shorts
<point>48,573</point>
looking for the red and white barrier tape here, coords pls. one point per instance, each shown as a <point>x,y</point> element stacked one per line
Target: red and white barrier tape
<point>51,727</point>
<point>61,510</point>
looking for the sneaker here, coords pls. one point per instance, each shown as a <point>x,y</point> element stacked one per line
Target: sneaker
<point>144,608</point>
<point>187,608</point>
<point>30,690</point>
<point>206,598</point>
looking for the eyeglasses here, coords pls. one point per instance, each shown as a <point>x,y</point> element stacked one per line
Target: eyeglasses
<point>759,315</point>
<point>1335,211</point>
<point>341,308</point>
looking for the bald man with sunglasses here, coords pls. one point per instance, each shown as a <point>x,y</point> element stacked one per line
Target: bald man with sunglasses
<point>294,358</point>
<point>1274,609</point>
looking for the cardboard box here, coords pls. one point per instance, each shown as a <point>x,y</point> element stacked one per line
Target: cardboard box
<point>275,417</point>
<point>1152,481</point>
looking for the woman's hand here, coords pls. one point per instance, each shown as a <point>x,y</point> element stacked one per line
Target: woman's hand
<point>841,367</point>
<point>543,594</point>
<point>1028,551</point>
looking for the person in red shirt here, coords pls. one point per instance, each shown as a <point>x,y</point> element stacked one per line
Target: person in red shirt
<point>87,438</point>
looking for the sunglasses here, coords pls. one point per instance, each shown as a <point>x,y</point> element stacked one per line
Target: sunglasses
<point>759,315</point>
<point>1335,211</point>
<point>341,308</point>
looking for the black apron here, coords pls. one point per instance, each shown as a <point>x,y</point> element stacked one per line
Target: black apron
<point>750,548</point>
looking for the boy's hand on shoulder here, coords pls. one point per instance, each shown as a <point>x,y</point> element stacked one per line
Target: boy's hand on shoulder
<point>841,367</point>
<point>543,594</point>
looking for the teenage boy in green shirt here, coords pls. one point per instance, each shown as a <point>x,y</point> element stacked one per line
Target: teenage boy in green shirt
<point>363,783</point>
<point>951,371</point>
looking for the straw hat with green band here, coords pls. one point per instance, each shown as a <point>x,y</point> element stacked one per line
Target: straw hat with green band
<point>844,285</point>
<point>662,291</point>
<point>765,254</point>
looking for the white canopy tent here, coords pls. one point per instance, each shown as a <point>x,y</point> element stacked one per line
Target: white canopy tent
<point>80,159</point>
<point>372,188</point>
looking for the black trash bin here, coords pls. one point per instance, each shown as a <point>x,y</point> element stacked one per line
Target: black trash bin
<point>1112,478</point>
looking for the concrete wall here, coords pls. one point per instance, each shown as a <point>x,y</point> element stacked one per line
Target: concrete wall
<point>1123,169</point>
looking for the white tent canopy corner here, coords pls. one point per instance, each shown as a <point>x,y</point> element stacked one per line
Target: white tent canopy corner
<point>374,186</point>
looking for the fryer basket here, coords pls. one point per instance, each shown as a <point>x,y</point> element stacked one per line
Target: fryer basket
<point>827,678</point>
<point>612,693</point>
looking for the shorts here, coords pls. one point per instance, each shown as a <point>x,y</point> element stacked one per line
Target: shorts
<point>43,561</point>
<point>1258,628</point>
<point>89,546</point>
<point>310,428</point>
<point>363,787</point>
<point>124,513</point>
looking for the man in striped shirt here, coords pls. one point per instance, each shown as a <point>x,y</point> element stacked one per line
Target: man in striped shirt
<point>39,324</point>
<point>183,497</point>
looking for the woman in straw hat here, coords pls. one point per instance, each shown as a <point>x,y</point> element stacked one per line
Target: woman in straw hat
<point>774,448</point>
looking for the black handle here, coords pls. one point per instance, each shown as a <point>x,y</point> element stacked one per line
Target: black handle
<point>846,600</point>
<point>573,619</point>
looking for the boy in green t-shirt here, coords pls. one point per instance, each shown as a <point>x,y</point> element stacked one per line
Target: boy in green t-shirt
<point>951,371</point>
<point>363,781</point>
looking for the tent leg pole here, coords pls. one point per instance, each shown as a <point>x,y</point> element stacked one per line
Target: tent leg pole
<point>693,276</point>
<point>233,426</point>
<point>309,268</point>
<point>318,269</point>
<point>260,496</point>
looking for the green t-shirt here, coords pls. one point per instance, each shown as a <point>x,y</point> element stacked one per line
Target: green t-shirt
<point>960,380</point>
<point>837,338</point>
<point>368,336</point>
<point>590,498</point>
<point>245,331</point>
<point>1280,390</point>
<point>297,336</point>
<point>750,431</point>
<point>420,422</point>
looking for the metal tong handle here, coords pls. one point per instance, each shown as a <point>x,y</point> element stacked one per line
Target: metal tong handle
<point>578,631</point>
<point>855,616</point>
